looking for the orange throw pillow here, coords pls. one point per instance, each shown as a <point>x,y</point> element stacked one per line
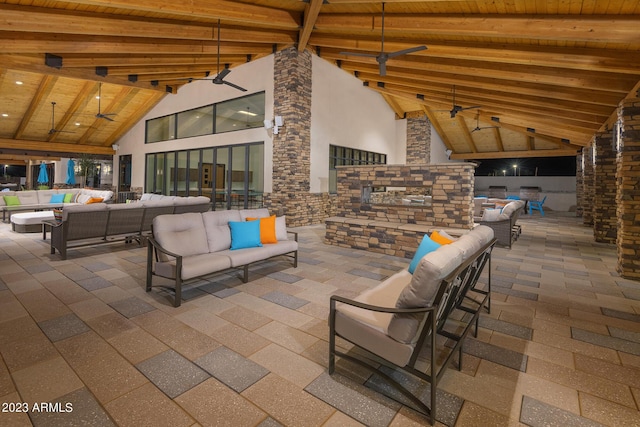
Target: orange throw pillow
<point>439,238</point>
<point>94,200</point>
<point>267,229</point>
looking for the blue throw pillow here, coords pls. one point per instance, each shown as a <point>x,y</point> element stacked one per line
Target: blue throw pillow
<point>427,245</point>
<point>57,198</point>
<point>245,234</point>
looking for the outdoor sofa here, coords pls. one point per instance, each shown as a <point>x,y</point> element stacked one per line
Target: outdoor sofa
<point>97,223</point>
<point>394,322</point>
<point>502,217</point>
<point>35,200</point>
<point>193,245</point>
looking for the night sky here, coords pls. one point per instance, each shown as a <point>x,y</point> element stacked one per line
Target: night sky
<point>531,166</point>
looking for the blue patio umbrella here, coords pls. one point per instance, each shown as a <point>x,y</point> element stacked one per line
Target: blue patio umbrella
<point>71,173</point>
<point>43,176</point>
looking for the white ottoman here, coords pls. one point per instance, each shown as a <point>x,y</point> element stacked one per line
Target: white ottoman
<point>29,222</point>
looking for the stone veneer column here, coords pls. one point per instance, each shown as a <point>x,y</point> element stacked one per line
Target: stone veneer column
<point>605,188</point>
<point>418,140</point>
<point>579,186</point>
<point>588,184</point>
<point>628,197</point>
<point>292,146</point>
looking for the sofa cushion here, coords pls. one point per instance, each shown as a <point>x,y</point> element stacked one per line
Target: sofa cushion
<point>11,200</point>
<point>426,245</point>
<point>193,266</point>
<point>94,200</point>
<point>216,223</point>
<point>267,229</point>
<point>422,290</point>
<point>254,213</point>
<point>249,255</point>
<point>493,215</point>
<point>281,228</point>
<point>68,198</point>
<point>245,234</point>
<point>183,234</point>
<point>28,197</point>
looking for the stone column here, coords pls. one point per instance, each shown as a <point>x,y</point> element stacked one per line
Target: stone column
<point>292,145</point>
<point>579,186</point>
<point>628,196</point>
<point>588,184</point>
<point>605,188</point>
<point>418,140</point>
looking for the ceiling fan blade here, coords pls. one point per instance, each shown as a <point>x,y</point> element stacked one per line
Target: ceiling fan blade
<point>105,116</point>
<point>406,51</point>
<point>469,108</point>
<point>366,55</point>
<point>222,74</point>
<point>234,86</point>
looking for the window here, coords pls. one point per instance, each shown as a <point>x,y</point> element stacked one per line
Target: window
<point>231,176</point>
<point>235,114</point>
<point>343,156</point>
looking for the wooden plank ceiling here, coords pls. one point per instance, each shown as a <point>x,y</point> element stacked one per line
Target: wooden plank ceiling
<point>546,75</point>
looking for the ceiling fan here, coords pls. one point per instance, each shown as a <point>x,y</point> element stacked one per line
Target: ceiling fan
<point>53,121</point>
<point>219,78</point>
<point>101,115</point>
<point>383,56</point>
<point>478,127</point>
<point>457,108</point>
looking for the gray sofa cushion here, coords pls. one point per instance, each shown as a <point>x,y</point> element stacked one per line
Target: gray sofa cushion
<point>248,255</point>
<point>93,207</point>
<point>216,224</point>
<point>194,266</point>
<point>183,234</point>
<point>422,290</point>
<point>254,213</point>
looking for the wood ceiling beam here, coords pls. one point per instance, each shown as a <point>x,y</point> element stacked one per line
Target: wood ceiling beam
<point>517,73</point>
<point>516,154</point>
<point>81,100</point>
<point>111,61</point>
<point>130,121</point>
<point>29,64</point>
<point>467,135</point>
<point>47,147</point>
<point>21,42</point>
<point>436,124</point>
<point>209,9</point>
<point>419,78</point>
<point>182,70</point>
<point>400,113</point>
<point>21,159</point>
<point>30,20</point>
<point>311,11</point>
<point>582,28</point>
<point>117,103</point>
<point>44,89</point>
<point>605,60</point>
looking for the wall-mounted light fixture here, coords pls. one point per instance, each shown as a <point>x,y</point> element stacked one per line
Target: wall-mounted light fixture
<point>275,125</point>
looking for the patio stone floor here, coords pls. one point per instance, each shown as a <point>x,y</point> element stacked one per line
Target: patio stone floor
<point>561,346</point>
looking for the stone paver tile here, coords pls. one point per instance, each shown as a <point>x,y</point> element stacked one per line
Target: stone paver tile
<point>538,414</point>
<point>240,340</point>
<point>287,364</point>
<point>148,406</point>
<point>582,381</point>
<point>285,300</point>
<point>78,408</point>
<point>202,320</point>
<point>212,403</point>
<point>288,337</point>
<point>608,413</point>
<point>231,368</point>
<point>46,381</point>
<point>288,403</point>
<point>137,345</point>
<point>90,308</point>
<point>22,353</point>
<point>63,327</point>
<point>42,304</point>
<point>172,373</point>
<point>14,419</point>
<point>247,319</point>
<point>472,414</point>
<point>110,325</point>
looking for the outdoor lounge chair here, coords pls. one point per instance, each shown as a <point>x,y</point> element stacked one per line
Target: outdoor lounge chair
<point>537,205</point>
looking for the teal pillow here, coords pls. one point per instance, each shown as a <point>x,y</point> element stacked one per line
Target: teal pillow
<point>67,198</point>
<point>11,200</point>
<point>245,234</point>
<point>57,198</point>
<point>427,245</point>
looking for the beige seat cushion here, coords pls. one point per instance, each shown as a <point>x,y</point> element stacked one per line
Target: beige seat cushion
<point>183,234</point>
<point>216,223</point>
<point>194,266</point>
